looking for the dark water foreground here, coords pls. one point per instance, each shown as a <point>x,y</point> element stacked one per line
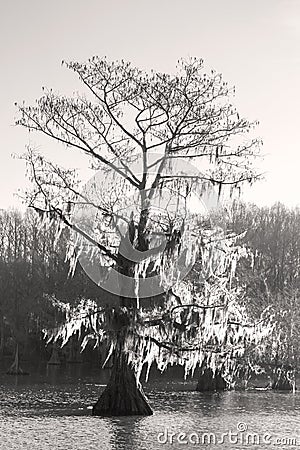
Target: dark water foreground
<point>51,409</point>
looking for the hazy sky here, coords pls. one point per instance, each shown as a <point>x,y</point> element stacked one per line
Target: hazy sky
<point>254,43</point>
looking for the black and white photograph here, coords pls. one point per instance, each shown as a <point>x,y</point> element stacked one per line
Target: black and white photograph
<point>150,225</point>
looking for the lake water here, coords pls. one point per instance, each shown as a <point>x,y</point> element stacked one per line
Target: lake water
<point>51,409</point>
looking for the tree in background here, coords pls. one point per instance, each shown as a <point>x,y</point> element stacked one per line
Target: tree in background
<point>272,233</point>
<point>32,268</point>
<point>233,333</point>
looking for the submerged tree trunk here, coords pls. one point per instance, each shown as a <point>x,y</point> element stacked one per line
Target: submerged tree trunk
<point>15,368</point>
<point>73,354</point>
<point>209,381</point>
<point>123,395</point>
<point>54,358</point>
<point>2,335</point>
<point>284,379</point>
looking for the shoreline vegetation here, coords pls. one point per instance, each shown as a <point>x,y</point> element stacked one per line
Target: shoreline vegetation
<point>33,270</point>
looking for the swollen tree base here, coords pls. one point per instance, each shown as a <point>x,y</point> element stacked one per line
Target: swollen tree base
<point>209,381</point>
<point>15,368</point>
<point>283,379</point>
<point>54,358</point>
<point>123,395</point>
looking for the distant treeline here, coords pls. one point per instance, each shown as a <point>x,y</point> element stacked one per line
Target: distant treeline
<point>33,272</point>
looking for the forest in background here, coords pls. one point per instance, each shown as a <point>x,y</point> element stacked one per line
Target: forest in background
<point>34,279</point>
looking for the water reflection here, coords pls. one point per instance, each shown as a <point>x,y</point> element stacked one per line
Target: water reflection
<point>51,409</point>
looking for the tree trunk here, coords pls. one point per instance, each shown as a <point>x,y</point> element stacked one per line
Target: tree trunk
<point>209,381</point>
<point>2,335</point>
<point>283,379</point>
<point>73,354</point>
<point>123,395</point>
<point>15,368</point>
<point>54,358</point>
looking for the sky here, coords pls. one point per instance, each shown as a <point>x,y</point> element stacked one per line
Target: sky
<point>255,44</point>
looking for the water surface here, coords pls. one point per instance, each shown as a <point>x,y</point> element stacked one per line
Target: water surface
<point>51,409</point>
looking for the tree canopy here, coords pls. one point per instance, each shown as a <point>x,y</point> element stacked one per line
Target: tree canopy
<point>154,122</point>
